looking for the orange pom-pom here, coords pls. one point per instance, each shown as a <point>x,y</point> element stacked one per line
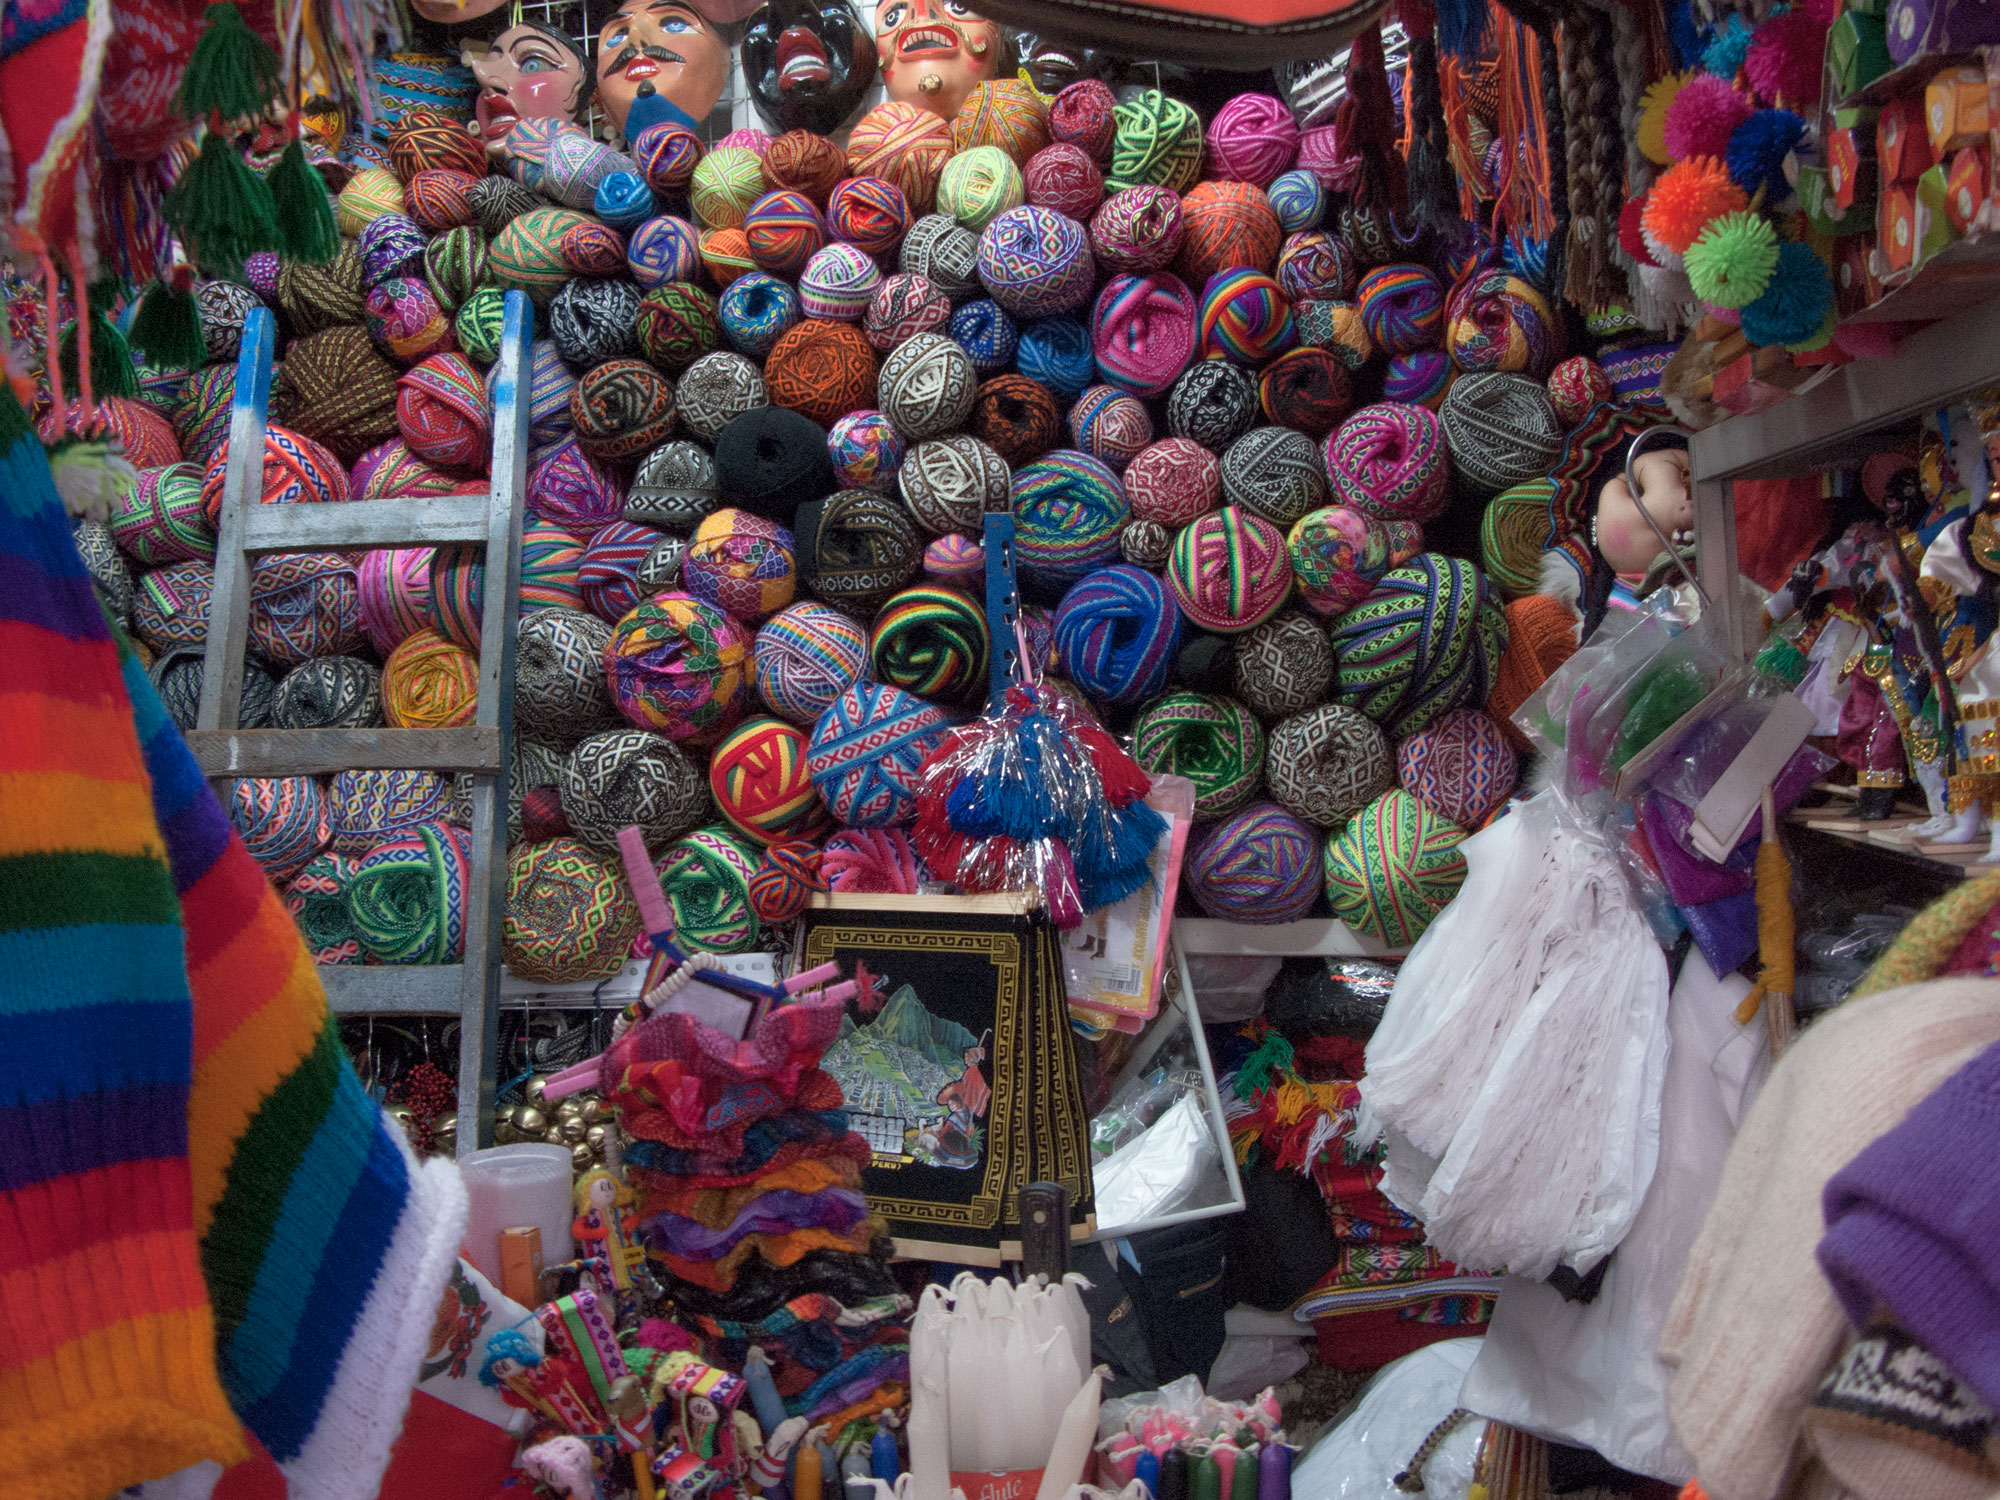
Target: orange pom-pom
<point>1688,195</point>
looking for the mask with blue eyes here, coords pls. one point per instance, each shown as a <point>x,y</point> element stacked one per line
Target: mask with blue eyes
<point>531,72</point>
<point>666,44</point>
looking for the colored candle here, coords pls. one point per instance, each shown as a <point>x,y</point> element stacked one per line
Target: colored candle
<point>805,1483</point>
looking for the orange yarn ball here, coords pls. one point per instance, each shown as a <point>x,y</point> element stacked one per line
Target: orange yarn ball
<point>725,255</point>
<point>1226,224</point>
<point>428,683</point>
<point>904,145</point>
<point>822,370</point>
<point>1006,113</point>
<point>804,163</point>
<point>428,140</point>
<point>1687,196</point>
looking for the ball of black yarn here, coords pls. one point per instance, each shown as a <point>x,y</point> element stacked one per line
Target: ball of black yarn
<point>110,574</point>
<point>176,677</point>
<point>1314,997</point>
<point>772,461</point>
<point>592,321</point>
<point>1207,664</point>
<point>1213,402</point>
<point>500,200</point>
<point>330,692</point>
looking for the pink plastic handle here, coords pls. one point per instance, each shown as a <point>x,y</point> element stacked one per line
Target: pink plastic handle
<point>653,909</point>
<point>812,977</point>
<point>572,1080</point>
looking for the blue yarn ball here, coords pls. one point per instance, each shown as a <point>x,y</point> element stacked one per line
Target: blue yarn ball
<point>1298,200</point>
<point>1793,306</point>
<point>1056,351</point>
<point>624,201</point>
<point>1757,151</point>
<point>866,752</point>
<point>1118,633</point>
<point>1727,48</point>
<point>1068,511</point>
<point>756,311</point>
<point>663,250</point>
<point>986,334</point>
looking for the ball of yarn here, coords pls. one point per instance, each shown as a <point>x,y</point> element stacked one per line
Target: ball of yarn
<point>756,311</point>
<point>1063,177</point>
<point>725,256</point>
<point>1057,352</point>
<point>1223,225</point>
<point>394,588</point>
<point>329,692</point>
<point>676,323</point>
<point>621,409</point>
<point>405,319</point>
<point>1337,556</point>
<point>724,185</point>
<point>822,370</point>
<point>1314,265</point>
<point>856,548</point>
<point>1155,140</point>
<point>1461,767</point>
<point>1426,640</point>
<point>1402,307</point>
<point>526,255</point>
<point>1299,202</point>
<point>407,896</point>
<point>631,778</point>
<point>428,683</point>
<point>1035,262</point>
<point>317,901</point>
<point>1252,139</point>
<point>1107,424</point>
<point>943,251</point>
<point>666,156</point>
<point>592,321</point>
<point>1214,741</point>
<point>223,306</point>
<point>1327,763</point>
<point>570,916</point>
<point>1276,472</point>
<point>1500,430</point>
<point>160,519</point>
<point>742,563</point>
<point>958,560</point>
<point>551,565</point>
<point>868,213</point>
<point>1068,511</point>
<point>1512,531</point>
<point>706,880</point>
<point>1419,379</point>
<point>1005,114</point>
<point>839,281</point>
<point>1244,317</point>
<point>717,389</point>
<point>1258,865</point>
<point>390,469</point>
<point>442,413</point>
<point>560,691</point>
<point>315,296</point>
<point>678,665</point>
<point>1117,632</point>
<point>282,819</point>
<point>297,471</point>
<point>662,250</point>
<point>1497,321</point>
<point>773,460</point>
<point>1143,332</point>
<point>337,389</point>
<point>1393,868</point>
<point>1575,386</point>
<point>1016,417</point>
<point>1213,404</point>
<point>1173,481</point>
<point>369,194</point>
<point>804,657</point>
<point>479,322</point>
<point>392,245</point>
<point>498,201</point>
<point>932,641</point>
<point>146,436</point>
<point>866,752</point>
<point>201,422</point>
<point>568,486</point>
<point>785,881</point>
<point>367,807</point>
<point>1229,570</point>
<point>866,451</point>
<point>550,385</point>
<point>758,777</point>
<point>783,229</point>
<point>1389,460</point>
<point>608,571</point>
<point>805,163</point>
<point>979,184</point>
<point>950,483</point>
<point>1081,114</point>
<point>1308,390</point>
<point>1146,544</point>
<point>590,247</point>
<point>427,140</point>
<point>986,334</point>
<point>1138,230</point>
<point>927,386</point>
<point>302,605</point>
<point>661,566</point>
<point>177,676</point>
<point>904,145</point>
<point>903,306</point>
<point>675,485</point>
<point>1283,666</point>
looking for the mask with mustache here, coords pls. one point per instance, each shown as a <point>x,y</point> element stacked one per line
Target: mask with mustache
<point>670,46</point>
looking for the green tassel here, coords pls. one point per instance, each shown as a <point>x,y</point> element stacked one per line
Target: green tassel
<point>223,209</point>
<point>1259,1070</point>
<point>111,372</point>
<point>167,328</point>
<point>306,230</point>
<point>233,72</point>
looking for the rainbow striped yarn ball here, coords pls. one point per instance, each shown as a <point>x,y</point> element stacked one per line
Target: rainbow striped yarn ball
<point>1402,307</point>
<point>1315,266</point>
<point>838,282</point>
<point>1117,634</point>
<point>442,413</point>
<point>1259,865</point>
<point>677,665</point>
<point>1298,200</point>
<point>1069,509</point>
<point>1110,425</point>
<point>866,450</point>
<point>1229,570</point>
<point>160,519</point>
<point>783,230</point>
<point>870,214</point>
<point>1389,461</point>
<point>1338,554</point>
<point>1035,262</point>
<point>550,560</point>
<point>932,640</point>
<point>758,777</point>
<point>958,560</point>
<point>756,311</point>
<point>1245,317</point>
<point>1393,868</point>
<point>283,820</point>
<point>570,916</point>
<point>742,563</point>
<point>1214,741</point>
<point>458,579</point>
<point>662,250</point>
<point>1461,767</point>
<point>1173,481</point>
<point>867,750</point>
<point>666,156</point>
<point>1419,379</point>
<point>608,571</point>
<point>804,657</point>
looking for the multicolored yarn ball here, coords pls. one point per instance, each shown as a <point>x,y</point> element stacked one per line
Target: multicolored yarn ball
<point>758,777</point>
<point>1229,570</point>
<point>957,560</point>
<point>631,778</point>
<point>367,807</point>
<point>479,321</point>
<point>297,471</point>
<point>1016,417</point>
<point>679,665</point>
<point>1006,114</point>
<point>1283,666</point>
<point>1335,327</point>
<point>949,483</point>
<point>1300,203</point>
<point>1393,868</point>
<point>621,409</point>
<point>498,201</point>
<point>838,283</point>
<point>590,247</point>
<point>804,657</point>
<point>1213,403</point>
<point>783,229</point>
<point>755,312</point>
<point>866,450</point>
<point>1081,114</point>
<point>1143,332</point>
<point>282,819</point>
<point>1426,640</point>
<point>1259,865</point>
<point>725,256</point>
<point>160,519</point>
<point>986,334</point>
<point>1500,430</point>
<point>1057,352</point>
<point>551,565</point>
<point>1338,554</point>
<point>905,145</point>
<point>1224,225</point>
<point>927,386</point>
<point>676,324</point>
<point>201,421</point>
<point>1214,741</point>
<point>457,587</point>
<point>441,200</point>
<point>1575,386</point>
<point>302,605</point>
<point>570,916</point>
<point>1063,177</point>
<point>869,213</point>
<point>405,319</point>
<point>786,880</point>
<point>572,489</point>
<point>395,594</point>
<point>1462,767</point>
<point>526,255</point>
<point>662,250</point>
<point>407,896</point>
<point>550,385</point>
<point>806,163</point>
<point>223,307</point>
<point>1173,481</point>
<point>1156,140</point>
<point>1068,511</point>
<point>426,140</point>
<point>903,306</point>
<point>867,750</point>
<point>661,567</point>
<point>1308,390</point>
<point>931,640</point>
<point>429,683</point>
<point>369,194</point>
<point>442,412</point>
<point>1138,230</point>
<point>560,691</point>
<point>317,901</point>
<point>1512,532</point>
<point>1146,545</point>
<point>717,389</point>
<point>1252,139</point>
<point>1402,307</point>
<point>1420,379</point>
<point>725,183</point>
<point>1276,472</point>
<point>822,370</point>
<point>1389,460</point>
<point>391,245</point>
<point>1117,633</point>
<point>1314,265</point>
<point>1327,763</point>
<point>939,248</point>
<point>1497,321</point>
<point>1035,262</point>
<point>608,570</point>
<point>1244,317</point>
<point>857,548</point>
<point>978,185</point>
<point>706,880</point>
<point>1109,425</point>
<point>390,469</point>
<point>742,563</point>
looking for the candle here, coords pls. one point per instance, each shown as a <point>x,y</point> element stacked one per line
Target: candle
<point>1274,1472</point>
<point>1146,1469</point>
<point>1249,1472</point>
<point>1204,1479</point>
<point>884,1461</point>
<point>805,1483</point>
<point>854,1464</point>
<point>1074,1438</point>
<point>1173,1475</point>
<point>764,1397</point>
<point>1224,1456</point>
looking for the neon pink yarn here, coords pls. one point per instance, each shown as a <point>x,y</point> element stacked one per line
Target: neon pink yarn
<point>1701,117</point>
<point>1252,139</point>
<point>1143,331</point>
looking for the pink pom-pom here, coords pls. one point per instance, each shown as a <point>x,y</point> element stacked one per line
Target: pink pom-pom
<point>1783,64</point>
<point>871,861</point>
<point>1702,116</point>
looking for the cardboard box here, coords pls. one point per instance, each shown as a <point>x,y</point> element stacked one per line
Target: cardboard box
<point>1823,212</point>
<point>1855,283</point>
<point>1857,52</point>
<point>1896,229</point>
<point>1902,144</point>
<point>1966,185</point>
<point>1955,109</point>
<point>1934,227</point>
<point>1850,169</point>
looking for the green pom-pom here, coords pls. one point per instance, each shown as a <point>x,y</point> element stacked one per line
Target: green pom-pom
<point>233,72</point>
<point>306,230</point>
<point>1731,261</point>
<point>111,372</point>
<point>167,328</point>
<point>223,210</point>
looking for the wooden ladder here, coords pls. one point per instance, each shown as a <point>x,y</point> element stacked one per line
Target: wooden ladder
<point>471,989</point>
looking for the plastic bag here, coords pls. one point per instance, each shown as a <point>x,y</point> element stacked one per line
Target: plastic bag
<point>1619,650</point>
<point>1143,1099</point>
<point>1160,1170</point>
<point>1360,1457</point>
<point>1231,986</point>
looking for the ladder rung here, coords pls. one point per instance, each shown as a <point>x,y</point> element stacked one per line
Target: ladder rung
<point>406,521</point>
<point>391,989</point>
<point>320,752</point>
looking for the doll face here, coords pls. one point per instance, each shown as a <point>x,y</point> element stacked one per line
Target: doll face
<point>1623,536</point>
<point>664,43</point>
<point>934,52</point>
<point>809,63</point>
<point>526,75</point>
<point>603,1192</point>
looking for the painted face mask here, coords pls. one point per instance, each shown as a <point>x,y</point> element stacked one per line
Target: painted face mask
<point>529,73</point>
<point>669,45</point>
<point>935,52</point>
<point>809,62</point>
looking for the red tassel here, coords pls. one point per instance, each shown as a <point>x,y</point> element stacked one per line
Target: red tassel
<point>1125,782</point>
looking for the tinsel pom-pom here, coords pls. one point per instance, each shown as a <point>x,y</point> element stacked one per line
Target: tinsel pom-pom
<point>1783,63</point>
<point>1731,262</point>
<point>1629,234</point>
<point>1703,116</point>
<point>1687,196</point>
<point>1724,54</point>
<point>1757,150</point>
<point>1653,106</point>
<point>1794,301</point>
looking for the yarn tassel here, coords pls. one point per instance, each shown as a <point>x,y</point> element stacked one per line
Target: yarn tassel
<point>1273,1056</point>
<point>1461,28</point>
<point>1065,901</point>
<point>304,213</point>
<point>233,71</point>
<point>167,327</point>
<point>110,361</point>
<point>1125,781</point>
<point>223,209</point>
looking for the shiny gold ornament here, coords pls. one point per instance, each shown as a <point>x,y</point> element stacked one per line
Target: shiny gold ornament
<point>504,1133</point>
<point>594,1137</point>
<point>595,1109</point>
<point>535,1087</point>
<point>444,1134</point>
<point>1983,541</point>
<point>579,1157</point>
<point>400,1113</point>
<point>530,1121</point>
<point>571,1127</point>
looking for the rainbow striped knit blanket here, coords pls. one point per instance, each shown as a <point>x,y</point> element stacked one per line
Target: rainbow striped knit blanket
<point>204,1220</point>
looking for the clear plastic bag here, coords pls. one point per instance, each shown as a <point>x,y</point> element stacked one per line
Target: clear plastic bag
<point>1232,986</point>
<point>1360,1457</point>
<point>1160,1170</point>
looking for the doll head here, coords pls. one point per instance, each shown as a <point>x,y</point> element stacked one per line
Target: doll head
<point>934,53</point>
<point>1655,485</point>
<point>669,44</point>
<point>1052,62</point>
<point>531,72</point>
<point>810,63</point>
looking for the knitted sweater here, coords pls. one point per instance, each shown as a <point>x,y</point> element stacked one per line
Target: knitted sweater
<point>1755,1323</point>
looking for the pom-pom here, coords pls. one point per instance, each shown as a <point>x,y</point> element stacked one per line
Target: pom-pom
<point>1688,195</point>
<point>1795,301</point>
<point>1731,261</point>
<point>1727,46</point>
<point>1783,62</point>
<point>1757,149</point>
<point>1652,135</point>
<point>1702,116</point>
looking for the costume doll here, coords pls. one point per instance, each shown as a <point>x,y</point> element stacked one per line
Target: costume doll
<point>599,1227</point>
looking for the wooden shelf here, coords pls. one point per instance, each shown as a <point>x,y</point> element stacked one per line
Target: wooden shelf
<point>1839,823</point>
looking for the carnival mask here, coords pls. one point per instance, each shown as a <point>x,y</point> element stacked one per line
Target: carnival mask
<point>810,63</point>
<point>530,73</point>
<point>668,44</point>
<point>935,52</point>
<point>1620,530</point>
<point>1053,63</point>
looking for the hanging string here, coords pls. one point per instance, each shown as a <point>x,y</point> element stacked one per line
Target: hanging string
<point>1468,170</point>
<point>1548,69</point>
<point>1434,189</point>
<point>1525,201</point>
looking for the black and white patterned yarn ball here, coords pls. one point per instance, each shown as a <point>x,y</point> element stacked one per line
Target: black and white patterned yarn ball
<point>1285,665</point>
<point>632,777</point>
<point>1213,402</point>
<point>675,487</point>
<point>715,390</point>
<point>927,386</point>
<point>560,690</point>
<point>533,763</point>
<point>1275,471</point>
<point>1145,544</point>
<point>224,307</point>
<point>943,250</point>
<point>1500,429</point>
<point>592,320</point>
<point>951,482</point>
<point>176,677</point>
<point>110,574</point>
<point>1326,764</point>
<point>661,567</point>
<point>330,692</point>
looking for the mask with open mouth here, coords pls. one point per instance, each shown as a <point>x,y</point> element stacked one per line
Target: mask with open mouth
<point>669,44</point>
<point>531,72</point>
<point>933,53</point>
<point>809,62</point>
<point>1053,63</point>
